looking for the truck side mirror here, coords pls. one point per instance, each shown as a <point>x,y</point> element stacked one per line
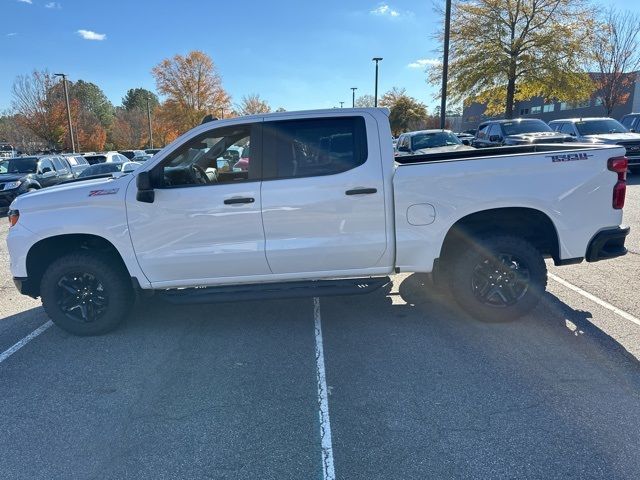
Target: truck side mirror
<point>494,138</point>
<point>466,142</point>
<point>403,148</point>
<point>144,183</point>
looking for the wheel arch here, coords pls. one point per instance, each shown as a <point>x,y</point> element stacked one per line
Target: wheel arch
<point>529,223</point>
<point>45,251</point>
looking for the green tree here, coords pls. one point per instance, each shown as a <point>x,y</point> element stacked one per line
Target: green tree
<point>405,112</point>
<point>92,100</point>
<point>136,99</point>
<point>503,51</point>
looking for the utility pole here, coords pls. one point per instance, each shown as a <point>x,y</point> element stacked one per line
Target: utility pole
<point>445,64</point>
<point>375,98</point>
<point>353,97</point>
<point>149,120</point>
<point>341,104</point>
<point>66,97</point>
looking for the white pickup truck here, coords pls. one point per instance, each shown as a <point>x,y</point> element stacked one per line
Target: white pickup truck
<point>314,203</point>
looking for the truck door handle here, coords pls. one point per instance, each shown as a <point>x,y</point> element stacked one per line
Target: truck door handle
<point>236,200</point>
<point>361,191</point>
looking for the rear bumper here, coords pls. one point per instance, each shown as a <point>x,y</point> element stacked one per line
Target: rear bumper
<point>25,286</point>
<point>607,244</point>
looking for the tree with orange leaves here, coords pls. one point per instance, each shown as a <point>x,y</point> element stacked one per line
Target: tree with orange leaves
<point>192,87</point>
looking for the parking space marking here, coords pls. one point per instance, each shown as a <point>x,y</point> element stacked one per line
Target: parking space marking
<point>593,298</point>
<point>328,471</point>
<point>17,346</point>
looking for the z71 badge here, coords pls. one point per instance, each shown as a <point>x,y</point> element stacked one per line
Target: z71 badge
<point>569,157</point>
<point>98,193</point>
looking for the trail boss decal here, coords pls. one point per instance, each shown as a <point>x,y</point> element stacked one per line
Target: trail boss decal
<point>98,193</point>
<point>569,157</point>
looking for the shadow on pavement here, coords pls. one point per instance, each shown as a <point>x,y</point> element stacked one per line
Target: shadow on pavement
<point>421,390</point>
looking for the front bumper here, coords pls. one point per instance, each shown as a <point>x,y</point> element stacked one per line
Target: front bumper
<point>607,244</point>
<point>8,196</point>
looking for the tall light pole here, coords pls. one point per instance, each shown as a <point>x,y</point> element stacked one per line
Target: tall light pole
<point>375,98</point>
<point>353,97</point>
<point>222,112</point>
<point>445,64</point>
<point>341,104</point>
<point>149,120</point>
<point>66,97</point>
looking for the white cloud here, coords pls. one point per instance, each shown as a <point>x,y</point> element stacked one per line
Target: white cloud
<point>55,5</point>
<point>26,1</point>
<point>89,35</point>
<point>425,62</point>
<point>12,34</point>
<point>385,10</point>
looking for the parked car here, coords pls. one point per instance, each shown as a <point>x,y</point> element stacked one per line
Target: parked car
<point>631,122</point>
<point>19,175</point>
<point>602,130</point>
<point>243,163</point>
<point>131,153</point>
<point>141,158</point>
<point>106,157</point>
<point>152,151</point>
<point>521,131</point>
<point>76,162</point>
<point>465,138</point>
<point>327,201</point>
<point>7,150</point>
<point>429,141</point>
<point>109,167</point>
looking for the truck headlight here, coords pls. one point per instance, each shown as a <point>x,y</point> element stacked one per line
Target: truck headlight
<point>12,185</point>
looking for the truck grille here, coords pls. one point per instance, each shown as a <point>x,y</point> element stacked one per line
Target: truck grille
<point>633,149</point>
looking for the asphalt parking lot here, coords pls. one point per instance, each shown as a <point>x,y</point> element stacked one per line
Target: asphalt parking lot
<point>415,389</point>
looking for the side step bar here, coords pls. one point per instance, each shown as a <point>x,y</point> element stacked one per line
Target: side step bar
<point>267,291</point>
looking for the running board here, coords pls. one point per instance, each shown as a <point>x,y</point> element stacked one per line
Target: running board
<point>268,291</point>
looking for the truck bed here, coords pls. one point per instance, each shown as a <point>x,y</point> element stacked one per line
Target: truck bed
<point>490,152</point>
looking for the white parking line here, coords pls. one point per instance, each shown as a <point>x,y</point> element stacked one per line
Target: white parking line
<point>593,298</point>
<point>7,353</point>
<point>328,472</point>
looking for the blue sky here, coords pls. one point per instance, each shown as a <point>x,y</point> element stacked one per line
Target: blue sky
<point>295,54</point>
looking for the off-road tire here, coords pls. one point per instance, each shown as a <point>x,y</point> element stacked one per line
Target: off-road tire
<point>113,284</point>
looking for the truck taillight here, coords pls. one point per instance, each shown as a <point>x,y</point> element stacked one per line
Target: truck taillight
<point>13,217</point>
<point>619,165</point>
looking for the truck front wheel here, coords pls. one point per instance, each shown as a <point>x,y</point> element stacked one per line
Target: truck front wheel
<point>500,278</point>
<point>86,293</point>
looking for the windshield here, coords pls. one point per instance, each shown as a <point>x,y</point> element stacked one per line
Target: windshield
<point>100,169</point>
<point>434,140</point>
<point>93,159</point>
<point>19,165</point>
<point>595,127</point>
<point>525,126</point>
<point>6,148</point>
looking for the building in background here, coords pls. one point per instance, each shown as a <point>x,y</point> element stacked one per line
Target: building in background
<point>536,107</point>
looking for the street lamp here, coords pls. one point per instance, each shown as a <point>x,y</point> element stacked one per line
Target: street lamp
<point>341,104</point>
<point>149,120</point>
<point>66,97</point>
<point>353,97</point>
<point>375,98</point>
<point>445,64</point>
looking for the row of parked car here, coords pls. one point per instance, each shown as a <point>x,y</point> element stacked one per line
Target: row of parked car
<point>23,174</point>
<point>498,133</point>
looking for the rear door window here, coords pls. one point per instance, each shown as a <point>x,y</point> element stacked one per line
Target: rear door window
<point>61,165</point>
<point>319,146</point>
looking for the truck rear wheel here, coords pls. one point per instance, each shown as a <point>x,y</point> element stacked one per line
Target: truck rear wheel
<point>86,293</point>
<point>498,279</point>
